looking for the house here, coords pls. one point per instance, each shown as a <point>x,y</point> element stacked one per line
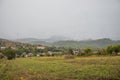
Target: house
<point>2,47</point>
<point>27,54</point>
<point>76,51</point>
<point>38,54</point>
<point>118,53</point>
<point>50,52</point>
<point>1,53</point>
<point>30,54</point>
<point>43,54</point>
<point>24,54</point>
<point>14,48</point>
<point>41,47</point>
<point>55,52</point>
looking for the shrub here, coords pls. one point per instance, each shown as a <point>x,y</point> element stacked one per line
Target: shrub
<point>9,53</point>
<point>113,49</point>
<point>70,51</point>
<point>87,50</point>
<point>1,56</point>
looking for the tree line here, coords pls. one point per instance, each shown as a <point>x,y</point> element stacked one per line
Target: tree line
<point>10,53</point>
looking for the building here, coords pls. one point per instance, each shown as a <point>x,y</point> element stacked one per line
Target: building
<point>2,47</point>
<point>41,47</point>
<point>76,51</point>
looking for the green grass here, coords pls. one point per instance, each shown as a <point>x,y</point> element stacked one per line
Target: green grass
<point>58,68</point>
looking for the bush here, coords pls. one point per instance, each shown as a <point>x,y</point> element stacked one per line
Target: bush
<point>114,50</point>
<point>9,53</point>
<point>103,52</point>
<point>87,50</point>
<point>70,51</point>
<point>1,56</point>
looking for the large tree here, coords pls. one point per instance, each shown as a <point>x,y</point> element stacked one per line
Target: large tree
<point>70,51</point>
<point>9,53</point>
<point>87,50</point>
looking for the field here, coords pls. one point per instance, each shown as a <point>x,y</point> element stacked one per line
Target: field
<point>58,68</point>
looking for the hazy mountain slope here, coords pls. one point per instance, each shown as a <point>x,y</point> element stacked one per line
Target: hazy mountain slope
<point>10,43</point>
<point>27,40</point>
<point>51,39</point>
<point>7,43</point>
<point>1,39</point>
<point>100,43</point>
<point>82,44</point>
<point>57,38</point>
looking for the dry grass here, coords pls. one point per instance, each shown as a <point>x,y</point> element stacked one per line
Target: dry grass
<point>58,68</point>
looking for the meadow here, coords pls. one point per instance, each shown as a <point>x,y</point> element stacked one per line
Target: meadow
<point>58,68</point>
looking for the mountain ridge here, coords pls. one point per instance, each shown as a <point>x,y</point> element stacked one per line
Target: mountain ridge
<point>98,43</point>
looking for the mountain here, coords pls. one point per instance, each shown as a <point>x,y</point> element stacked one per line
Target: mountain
<point>65,42</point>
<point>99,43</point>
<point>50,40</point>
<point>12,43</point>
<point>8,43</point>
<point>1,39</point>
<point>27,40</point>
<point>56,38</point>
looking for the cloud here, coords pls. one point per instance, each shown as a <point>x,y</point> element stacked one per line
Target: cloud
<point>77,19</point>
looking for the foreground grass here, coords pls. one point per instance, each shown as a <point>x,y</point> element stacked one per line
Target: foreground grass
<point>58,68</point>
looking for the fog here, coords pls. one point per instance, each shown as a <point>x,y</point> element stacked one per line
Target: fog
<point>76,19</point>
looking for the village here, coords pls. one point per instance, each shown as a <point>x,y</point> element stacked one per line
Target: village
<point>38,50</point>
<point>27,50</point>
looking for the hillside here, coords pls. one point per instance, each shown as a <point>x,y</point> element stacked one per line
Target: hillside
<point>1,39</point>
<point>10,43</point>
<point>99,43</point>
<point>27,40</point>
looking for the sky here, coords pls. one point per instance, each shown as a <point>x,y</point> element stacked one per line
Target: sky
<point>76,19</point>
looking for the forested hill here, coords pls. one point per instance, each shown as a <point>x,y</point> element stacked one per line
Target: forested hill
<point>99,43</point>
<point>10,43</point>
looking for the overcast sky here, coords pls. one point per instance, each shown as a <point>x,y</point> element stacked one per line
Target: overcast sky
<point>77,19</point>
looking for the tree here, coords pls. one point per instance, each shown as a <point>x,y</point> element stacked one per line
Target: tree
<point>70,51</point>
<point>87,50</point>
<point>109,49</point>
<point>9,53</point>
<point>70,54</point>
<point>1,55</point>
<point>113,49</point>
<point>103,52</point>
<point>19,52</point>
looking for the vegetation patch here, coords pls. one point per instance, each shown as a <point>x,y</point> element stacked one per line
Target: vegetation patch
<point>51,68</point>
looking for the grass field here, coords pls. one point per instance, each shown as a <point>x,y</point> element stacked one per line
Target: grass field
<point>58,68</point>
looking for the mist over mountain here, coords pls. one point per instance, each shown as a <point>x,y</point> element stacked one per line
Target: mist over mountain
<point>50,39</point>
<point>56,38</point>
<point>26,40</point>
<point>1,39</point>
<point>67,42</point>
<point>99,43</point>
